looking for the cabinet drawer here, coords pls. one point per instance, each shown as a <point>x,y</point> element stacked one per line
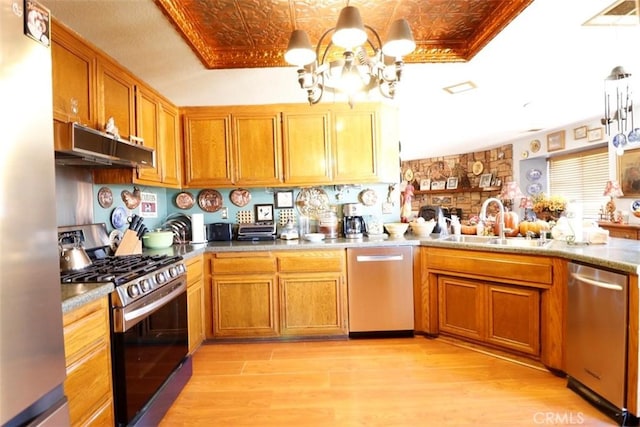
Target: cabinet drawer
<point>523,269</point>
<point>623,234</point>
<point>83,328</point>
<point>194,270</point>
<point>245,263</point>
<point>312,261</point>
<point>88,382</point>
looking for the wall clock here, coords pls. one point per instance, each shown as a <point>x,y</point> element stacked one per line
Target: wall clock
<point>477,168</point>
<point>408,175</point>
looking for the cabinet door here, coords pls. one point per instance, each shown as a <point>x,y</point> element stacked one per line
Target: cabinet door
<point>306,148</point>
<point>116,98</point>
<point>354,146</point>
<point>195,307</point>
<point>73,73</point>
<point>312,304</point>
<point>171,149</point>
<point>207,149</point>
<point>148,113</point>
<point>257,148</point>
<point>244,306</point>
<point>513,318</point>
<point>461,305</point>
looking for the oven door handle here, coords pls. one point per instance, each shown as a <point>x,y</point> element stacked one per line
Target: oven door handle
<point>127,317</point>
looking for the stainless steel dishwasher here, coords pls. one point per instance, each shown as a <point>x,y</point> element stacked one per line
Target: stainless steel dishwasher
<point>597,337</point>
<point>380,287</point>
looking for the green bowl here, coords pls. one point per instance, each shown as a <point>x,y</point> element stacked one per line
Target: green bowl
<point>158,239</point>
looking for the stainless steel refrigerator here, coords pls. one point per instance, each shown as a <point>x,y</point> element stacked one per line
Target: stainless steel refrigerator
<point>32,367</point>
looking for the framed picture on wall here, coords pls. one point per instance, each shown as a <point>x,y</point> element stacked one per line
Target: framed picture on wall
<point>425,184</point>
<point>594,134</point>
<point>283,199</point>
<point>264,213</point>
<point>438,185</point>
<point>580,132</point>
<point>485,180</point>
<point>629,173</point>
<point>452,183</point>
<point>555,141</point>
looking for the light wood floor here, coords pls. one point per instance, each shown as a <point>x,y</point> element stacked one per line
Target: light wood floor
<point>384,382</point>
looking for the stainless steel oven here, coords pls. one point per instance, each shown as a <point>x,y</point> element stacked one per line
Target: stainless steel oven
<point>149,336</point>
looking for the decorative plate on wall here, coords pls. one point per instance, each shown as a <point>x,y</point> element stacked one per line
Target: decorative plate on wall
<point>105,197</point>
<point>210,200</point>
<point>311,201</point>
<point>534,174</point>
<point>185,200</point>
<point>368,197</point>
<point>477,168</point>
<point>240,197</point>
<point>533,189</point>
<point>535,145</point>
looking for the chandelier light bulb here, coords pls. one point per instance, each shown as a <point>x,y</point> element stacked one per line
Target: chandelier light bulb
<point>400,40</point>
<point>299,52</point>
<point>349,30</point>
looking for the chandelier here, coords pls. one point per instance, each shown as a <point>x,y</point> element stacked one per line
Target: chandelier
<point>356,71</point>
<point>618,94</point>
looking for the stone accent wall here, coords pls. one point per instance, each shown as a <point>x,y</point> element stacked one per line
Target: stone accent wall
<point>468,197</point>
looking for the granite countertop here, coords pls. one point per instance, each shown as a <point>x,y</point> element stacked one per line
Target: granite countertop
<point>618,254</point>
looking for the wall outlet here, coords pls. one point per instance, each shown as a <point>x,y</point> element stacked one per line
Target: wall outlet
<point>224,213</point>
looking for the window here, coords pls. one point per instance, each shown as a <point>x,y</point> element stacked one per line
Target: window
<point>581,176</point>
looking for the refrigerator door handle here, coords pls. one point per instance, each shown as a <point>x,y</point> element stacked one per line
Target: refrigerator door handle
<point>596,283</point>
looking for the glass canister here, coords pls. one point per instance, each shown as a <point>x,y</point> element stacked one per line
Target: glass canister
<point>328,224</point>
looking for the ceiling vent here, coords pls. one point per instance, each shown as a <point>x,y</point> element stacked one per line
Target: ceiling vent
<point>621,12</point>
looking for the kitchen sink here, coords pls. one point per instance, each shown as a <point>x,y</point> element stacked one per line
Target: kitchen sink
<point>493,240</point>
<point>469,238</point>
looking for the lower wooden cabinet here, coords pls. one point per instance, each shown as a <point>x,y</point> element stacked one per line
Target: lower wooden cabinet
<point>88,384</point>
<point>273,294</point>
<point>195,302</point>
<point>622,231</point>
<point>503,316</point>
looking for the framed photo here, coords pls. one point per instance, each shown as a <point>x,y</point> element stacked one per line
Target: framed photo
<point>595,134</point>
<point>580,132</point>
<point>485,180</point>
<point>264,213</point>
<point>555,141</point>
<point>452,183</point>
<point>37,22</point>
<point>425,184</point>
<point>438,185</point>
<point>283,199</point>
<point>629,173</point>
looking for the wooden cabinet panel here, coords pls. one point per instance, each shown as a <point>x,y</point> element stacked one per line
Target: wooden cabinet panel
<point>246,263</point>
<point>311,261</point>
<point>88,360</point>
<point>622,231</point>
<point>73,73</point>
<point>257,149</point>
<point>148,113</point>
<point>207,149</point>
<point>461,307</point>
<point>354,140</point>
<point>244,306</point>
<point>171,153</point>
<point>513,318</point>
<point>116,98</point>
<point>195,302</point>
<point>312,304</point>
<point>306,147</point>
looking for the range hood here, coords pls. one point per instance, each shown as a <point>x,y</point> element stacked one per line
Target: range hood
<point>77,145</point>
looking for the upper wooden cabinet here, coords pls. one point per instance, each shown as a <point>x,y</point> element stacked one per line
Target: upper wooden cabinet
<point>74,74</point>
<point>148,127</point>
<point>116,98</point>
<point>207,147</point>
<point>313,145</point>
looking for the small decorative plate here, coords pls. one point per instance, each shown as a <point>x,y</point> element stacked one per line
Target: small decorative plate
<point>525,154</point>
<point>210,200</point>
<point>185,200</point>
<point>105,197</point>
<point>535,145</point>
<point>311,201</point>
<point>534,174</point>
<point>240,197</point>
<point>118,217</point>
<point>635,206</point>
<point>477,168</point>
<point>368,197</point>
<point>534,188</point>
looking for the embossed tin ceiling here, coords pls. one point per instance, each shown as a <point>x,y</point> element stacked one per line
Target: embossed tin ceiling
<point>255,33</point>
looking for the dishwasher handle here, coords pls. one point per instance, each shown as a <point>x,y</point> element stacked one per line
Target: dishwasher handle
<point>378,258</point>
<point>597,283</point>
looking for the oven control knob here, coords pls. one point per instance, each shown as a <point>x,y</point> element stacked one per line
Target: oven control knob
<point>173,272</point>
<point>181,268</point>
<point>133,291</point>
<point>160,277</point>
<point>145,284</point>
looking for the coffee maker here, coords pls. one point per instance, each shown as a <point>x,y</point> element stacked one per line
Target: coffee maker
<point>353,225</point>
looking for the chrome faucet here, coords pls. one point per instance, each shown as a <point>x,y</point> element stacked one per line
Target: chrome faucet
<point>483,213</point>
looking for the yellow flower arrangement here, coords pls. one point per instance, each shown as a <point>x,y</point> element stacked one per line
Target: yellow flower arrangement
<point>543,203</point>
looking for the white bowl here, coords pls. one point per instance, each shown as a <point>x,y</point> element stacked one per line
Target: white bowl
<point>314,237</point>
<point>396,229</point>
<point>422,228</point>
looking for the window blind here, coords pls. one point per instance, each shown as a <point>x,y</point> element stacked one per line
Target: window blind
<point>583,177</point>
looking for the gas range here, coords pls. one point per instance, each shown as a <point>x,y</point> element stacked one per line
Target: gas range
<point>133,275</point>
